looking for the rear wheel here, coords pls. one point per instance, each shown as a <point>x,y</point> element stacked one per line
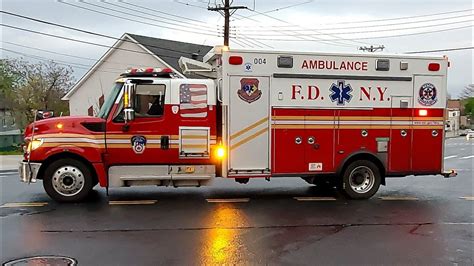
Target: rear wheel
<point>68,180</point>
<point>361,180</point>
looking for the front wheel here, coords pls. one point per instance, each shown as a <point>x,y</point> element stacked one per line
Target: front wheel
<point>361,180</point>
<point>68,180</point>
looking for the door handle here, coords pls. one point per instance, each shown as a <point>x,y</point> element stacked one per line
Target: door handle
<point>298,140</point>
<point>165,142</point>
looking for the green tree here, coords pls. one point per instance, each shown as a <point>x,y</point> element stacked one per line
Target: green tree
<point>467,96</point>
<point>36,86</point>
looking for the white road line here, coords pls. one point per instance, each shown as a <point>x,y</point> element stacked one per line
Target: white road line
<point>23,204</point>
<point>450,157</point>
<point>132,202</point>
<point>397,198</point>
<point>314,198</point>
<point>239,200</point>
<point>467,157</point>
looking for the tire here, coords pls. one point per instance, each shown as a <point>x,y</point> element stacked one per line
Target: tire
<point>361,180</point>
<point>68,180</point>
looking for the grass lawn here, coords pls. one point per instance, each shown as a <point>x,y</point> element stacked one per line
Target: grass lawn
<point>11,152</point>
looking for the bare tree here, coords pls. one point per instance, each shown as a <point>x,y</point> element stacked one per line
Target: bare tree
<point>40,86</point>
<point>467,92</point>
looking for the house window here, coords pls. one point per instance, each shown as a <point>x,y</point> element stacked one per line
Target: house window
<point>193,100</point>
<point>101,101</point>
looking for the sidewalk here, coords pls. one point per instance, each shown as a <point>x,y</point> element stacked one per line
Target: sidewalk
<point>9,163</point>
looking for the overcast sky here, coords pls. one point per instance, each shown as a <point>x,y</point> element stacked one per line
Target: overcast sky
<point>282,25</point>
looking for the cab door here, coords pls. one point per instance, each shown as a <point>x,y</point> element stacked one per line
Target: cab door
<point>147,138</point>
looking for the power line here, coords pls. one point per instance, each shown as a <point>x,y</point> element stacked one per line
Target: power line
<point>286,22</point>
<point>90,32</point>
<point>380,20</point>
<point>442,50</point>
<point>80,41</point>
<point>274,10</point>
<point>59,62</point>
<point>374,31</point>
<point>376,37</point>
<point>63,54</point>
<point>167,21</point>
<point>162,12</point>
<point>257,21</point>
<point>371,26</point>
<point>255,42</point>
<point>131,19</point>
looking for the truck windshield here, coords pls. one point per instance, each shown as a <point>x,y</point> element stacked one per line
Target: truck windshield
<point>105,109</point>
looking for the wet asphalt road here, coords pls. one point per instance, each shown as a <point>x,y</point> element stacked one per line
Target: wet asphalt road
<point>424,220</point>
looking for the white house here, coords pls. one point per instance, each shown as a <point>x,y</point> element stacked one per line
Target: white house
<point>131,51</point>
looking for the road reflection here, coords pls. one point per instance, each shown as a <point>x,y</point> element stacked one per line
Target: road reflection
<point>223,243</point>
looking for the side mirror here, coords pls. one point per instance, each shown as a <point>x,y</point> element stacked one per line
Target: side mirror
<point>128,114</point>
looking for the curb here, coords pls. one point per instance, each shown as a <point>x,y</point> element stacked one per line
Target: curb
<point>8,171</point>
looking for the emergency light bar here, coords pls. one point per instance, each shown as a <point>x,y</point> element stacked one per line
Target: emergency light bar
<point>148,72</point>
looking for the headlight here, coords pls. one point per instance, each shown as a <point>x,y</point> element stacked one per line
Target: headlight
<point>34,144</point>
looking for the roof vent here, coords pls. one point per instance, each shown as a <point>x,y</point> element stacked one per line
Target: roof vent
<point>195,56</point>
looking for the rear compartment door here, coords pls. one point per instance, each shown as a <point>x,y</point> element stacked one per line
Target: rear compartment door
<point>428,129</point>
<point>401,134</point>
<point>248,124</point>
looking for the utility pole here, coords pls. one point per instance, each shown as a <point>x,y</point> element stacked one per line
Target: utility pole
<point>372,48</point>
<point>227,11</point>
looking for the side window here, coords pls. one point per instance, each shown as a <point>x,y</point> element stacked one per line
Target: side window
<point>193,100</point>
<point>149,100</point>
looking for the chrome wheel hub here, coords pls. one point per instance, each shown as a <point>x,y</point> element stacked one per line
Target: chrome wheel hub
<point>68,180</point>
<point>361,179</point>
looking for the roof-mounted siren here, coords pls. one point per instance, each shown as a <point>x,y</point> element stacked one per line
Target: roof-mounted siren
<point>191,66</point>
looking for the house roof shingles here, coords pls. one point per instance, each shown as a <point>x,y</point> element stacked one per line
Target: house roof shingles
<point>170,51</point>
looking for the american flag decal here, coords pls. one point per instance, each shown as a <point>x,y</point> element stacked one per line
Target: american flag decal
<point>193,100</point>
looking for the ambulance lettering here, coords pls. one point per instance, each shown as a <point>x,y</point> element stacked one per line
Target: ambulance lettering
<point>313,92</point>
<point>366,93</point>
<point>333,65</point>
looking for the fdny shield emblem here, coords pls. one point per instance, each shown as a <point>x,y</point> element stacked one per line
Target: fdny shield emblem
<point>138,144</point>
<point>427,95</point>
<point>249,90</point>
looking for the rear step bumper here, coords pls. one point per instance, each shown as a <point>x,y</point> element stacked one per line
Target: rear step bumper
<point>449,174</point>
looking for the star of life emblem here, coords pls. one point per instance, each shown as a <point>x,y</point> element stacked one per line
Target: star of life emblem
<point>138,144</point>
<point>427,95</point>
<point>249,90</point>
<point>341,93</point>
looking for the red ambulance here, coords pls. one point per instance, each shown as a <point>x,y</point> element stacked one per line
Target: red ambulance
<point>350,120</point>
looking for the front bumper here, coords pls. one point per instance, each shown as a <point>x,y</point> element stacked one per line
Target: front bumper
<point>28,173</point>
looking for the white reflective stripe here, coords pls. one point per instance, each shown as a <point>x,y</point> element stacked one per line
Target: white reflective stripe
<point>199,98</point>
<point>67,140</point>
<point>118,141</point>
<point>193,106</point>
<point>367,122</point>
<point>194,141</point>
<point>196,115</point>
